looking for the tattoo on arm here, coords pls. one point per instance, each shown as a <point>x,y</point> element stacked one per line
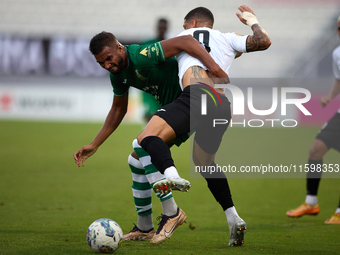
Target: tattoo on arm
<point>259,40</point>
<point>196,71</point>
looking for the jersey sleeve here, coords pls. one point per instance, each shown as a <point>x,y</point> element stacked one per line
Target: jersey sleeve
<point>237,42</point>
<point>149,55</point>
<point>336,64</point>
<point>119,88</point>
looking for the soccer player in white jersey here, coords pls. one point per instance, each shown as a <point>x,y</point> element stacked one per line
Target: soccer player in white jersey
<point>176,118</point>
<point>327,138</point>
<point>223,47</point>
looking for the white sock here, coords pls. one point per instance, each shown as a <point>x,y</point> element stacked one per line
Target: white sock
<point>311,200</point>
<point>337,210</point>
<point>145,222</point>
<point>169,207</point>
<point>171,172</point>
<point>232,215</point>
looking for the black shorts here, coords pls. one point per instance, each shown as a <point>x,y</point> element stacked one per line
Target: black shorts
<point>184,115</point>
<point>330,133</point>
<point>177,114</point>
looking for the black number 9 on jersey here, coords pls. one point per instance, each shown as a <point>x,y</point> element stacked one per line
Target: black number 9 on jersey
<point>205,35</point>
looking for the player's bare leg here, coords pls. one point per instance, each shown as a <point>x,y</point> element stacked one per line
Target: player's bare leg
<point>200,157</point>
<point>318,150</point>
<point>157,127</point>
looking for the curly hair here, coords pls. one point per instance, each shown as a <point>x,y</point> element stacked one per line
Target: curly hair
<point>99,41</point>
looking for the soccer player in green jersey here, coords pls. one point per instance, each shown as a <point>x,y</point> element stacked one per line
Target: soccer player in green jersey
<point>153,69</point>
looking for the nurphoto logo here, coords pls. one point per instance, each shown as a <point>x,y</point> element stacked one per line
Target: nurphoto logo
<point>238,105</point>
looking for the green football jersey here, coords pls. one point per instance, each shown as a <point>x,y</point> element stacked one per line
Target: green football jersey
<point>148,71</point>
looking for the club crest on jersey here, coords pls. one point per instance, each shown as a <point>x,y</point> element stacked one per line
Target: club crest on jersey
<point>143,52</point>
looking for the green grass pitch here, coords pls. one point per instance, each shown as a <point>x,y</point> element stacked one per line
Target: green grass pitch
<point>47,202</point>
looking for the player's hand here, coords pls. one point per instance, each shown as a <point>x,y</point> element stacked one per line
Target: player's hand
<point>84,153</point>
<point>244,8</point>
<point>325,100</point>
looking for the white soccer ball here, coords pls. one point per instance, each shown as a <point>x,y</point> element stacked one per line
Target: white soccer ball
<point>104,236</point>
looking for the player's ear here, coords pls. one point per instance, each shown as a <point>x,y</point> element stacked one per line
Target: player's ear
<point>194,23</point>
<point>119,47</point>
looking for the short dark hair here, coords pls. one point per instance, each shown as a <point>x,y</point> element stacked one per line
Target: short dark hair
<point>200,13</point>
<point>99,41</point>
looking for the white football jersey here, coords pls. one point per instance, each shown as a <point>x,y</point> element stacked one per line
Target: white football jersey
<point>222,47</point>
<point>336,64</point>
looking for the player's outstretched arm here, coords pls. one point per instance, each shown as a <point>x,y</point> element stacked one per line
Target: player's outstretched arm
<point>334,92</point>
<point>113,119</point>
<point>190,45</point>
<point>260,39</point>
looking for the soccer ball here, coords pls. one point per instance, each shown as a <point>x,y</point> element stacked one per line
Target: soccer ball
<point>104,236</point>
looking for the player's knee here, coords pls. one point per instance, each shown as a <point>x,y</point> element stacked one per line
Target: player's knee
<point>315,154</point>
<point>202,160</point>
<point>317,151</point>
<point>145,134</point>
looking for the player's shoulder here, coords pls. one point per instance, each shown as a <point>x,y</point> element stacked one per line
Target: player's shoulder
<point>218,33</point>
<point>141,54</point>
<point>149,41</point>
<point>197,32</point>
<point>141,49</point>
<point>190,31</point>
<point>233,34</point>
<point>134,48</point>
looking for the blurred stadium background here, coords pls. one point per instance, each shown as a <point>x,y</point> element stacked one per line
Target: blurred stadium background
<point>47,72</point>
